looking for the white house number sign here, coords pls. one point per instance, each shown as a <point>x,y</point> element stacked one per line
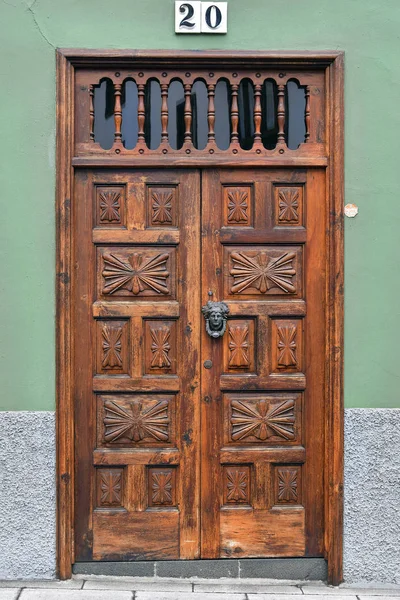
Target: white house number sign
<point>201,17</point>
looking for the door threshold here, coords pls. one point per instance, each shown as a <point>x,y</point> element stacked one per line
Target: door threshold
<point>304,569</point>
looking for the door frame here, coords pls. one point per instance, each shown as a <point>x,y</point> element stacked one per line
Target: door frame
<point>333,63</point>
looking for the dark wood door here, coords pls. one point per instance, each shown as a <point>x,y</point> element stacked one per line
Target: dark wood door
<point>262,445</point>
<point>189,446</point>
<point>137,398</point>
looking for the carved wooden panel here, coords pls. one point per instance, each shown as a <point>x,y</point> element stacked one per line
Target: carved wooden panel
<point>110,205</point>
<point>287,481</point>
<point>136,272</point>
<point>135,420</point>
<point>131,396</point>
<point>309,124</point>
<point>112,347</point>
<point>160,347</point>
<point>161,486</point>
<point>237,205</point>
<point>162,206</point>
<point>287,345</point>
<point>236,484</point>
<point>156,367</point>
<point>273,418</point>
<point>239,346</point>
<point>263,270</point>
<point>288,205</point>
<point>110,487</point>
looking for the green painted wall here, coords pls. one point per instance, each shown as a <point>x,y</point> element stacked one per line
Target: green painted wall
<point>368,31</point>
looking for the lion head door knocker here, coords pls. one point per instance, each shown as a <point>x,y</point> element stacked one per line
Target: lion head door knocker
<point>215,314</point>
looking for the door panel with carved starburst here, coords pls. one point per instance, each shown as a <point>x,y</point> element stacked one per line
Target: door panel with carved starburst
<point>263,242</point>
<point>150,250</point>
<point>137,318</point>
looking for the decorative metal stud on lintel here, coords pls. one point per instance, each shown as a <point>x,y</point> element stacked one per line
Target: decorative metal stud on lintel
<point>351,210</point>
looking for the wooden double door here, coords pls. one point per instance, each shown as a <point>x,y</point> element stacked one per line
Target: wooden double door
<point>187,445</point>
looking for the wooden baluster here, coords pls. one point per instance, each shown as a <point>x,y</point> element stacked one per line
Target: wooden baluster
<point>257,113</point>
<point>164,112</point>
<point>211,112</point>
<point>307,116</point>
<point>117,112</point>
<point>281,114</point>
<point>188,114</point>
<point>141,113</point>
<point>91,112</point>
<point>235,114</point>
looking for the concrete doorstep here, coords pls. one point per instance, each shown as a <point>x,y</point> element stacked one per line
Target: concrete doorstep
<point>155,588</point>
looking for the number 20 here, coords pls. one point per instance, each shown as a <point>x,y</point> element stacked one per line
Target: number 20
<point>200,17</point>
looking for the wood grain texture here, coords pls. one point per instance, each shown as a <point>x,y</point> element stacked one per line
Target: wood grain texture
<point>130,228</point>
<point>136,456</point>
<point>287,485</point>
<point>314,342</point>
<point>88,80</point>
<point>212,350</point>
<point>133,535</point>
<point>263,454</point>
<point>334,444</point>
<point>252,416</point>
<point>87,57</point>
<point>289,159</point>
<point>144,400</point>
<point>110,484</point>
<point>112,347</point>
<point>64,408</point>
<point>265,419</point>
<point>260,533</point>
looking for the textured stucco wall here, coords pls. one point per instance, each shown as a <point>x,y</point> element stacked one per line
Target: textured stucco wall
<point>372,486</point>
<point>372,495</point>
<point>30,30</point>
<point>27,495</point>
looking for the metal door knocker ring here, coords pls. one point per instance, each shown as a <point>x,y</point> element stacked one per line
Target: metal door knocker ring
<point>215,314</point>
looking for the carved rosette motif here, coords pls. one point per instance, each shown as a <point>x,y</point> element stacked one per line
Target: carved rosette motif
<point>262,272</point>
<point>161,206</point>
<point>288,492</point>
<point>136,421</point>
<point>136,274</point>
<point>112,347</point>
<point>262,419</point>
<point>160,347</point>
<point>238,206</point>
<point>110,486</point>
<point>288,204</point>
<point>237,482</point>
<point>110,206</point>
<point>239,346</point>
<point>161,487</point>
<point>287,346</point>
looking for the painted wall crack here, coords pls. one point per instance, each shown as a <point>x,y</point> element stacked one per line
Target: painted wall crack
<point>38,27</point>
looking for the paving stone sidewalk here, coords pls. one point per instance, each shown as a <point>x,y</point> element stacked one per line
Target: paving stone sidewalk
<point>129,588</point>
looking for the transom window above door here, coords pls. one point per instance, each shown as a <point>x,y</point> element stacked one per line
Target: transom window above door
<point>201,112</point>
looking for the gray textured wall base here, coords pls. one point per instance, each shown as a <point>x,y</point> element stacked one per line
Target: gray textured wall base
<point>372,495</point>
<point>372,480</point>
<point>28,495</point>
